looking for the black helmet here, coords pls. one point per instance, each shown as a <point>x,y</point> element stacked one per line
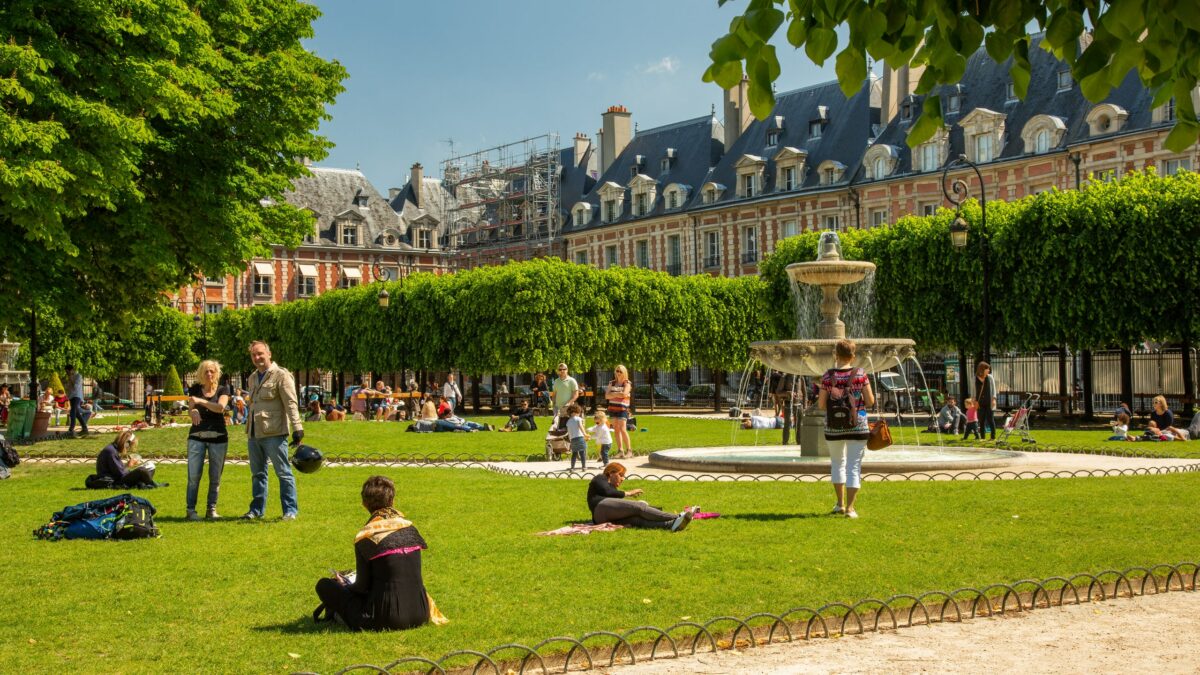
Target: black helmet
<point>307,459</point>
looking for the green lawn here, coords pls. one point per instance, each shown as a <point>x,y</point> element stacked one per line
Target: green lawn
<point>387,439</point>
<point>235,597</point>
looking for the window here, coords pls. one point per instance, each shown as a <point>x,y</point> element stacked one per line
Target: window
<point>953,103</point>
<point>1010,92</point>
<point>831,222</point>
<point>1170,167</point>
<point>788,179</point>
<point>262,284</point>
<point>1168,112</point>
<point>349,234</point>
<point>581,217</point>
<point>351,277</point>
<point>610,210</point>
<point>306,286</point>
<point>880,168</point>
<point>641,251</point>
<point>772,139</point>
<point>213,308</point>
<point>610,256</point>
<point>789,229</point>
<point>581,257</point>
<point>929,157</point>
<point>928,209</point>
<point>633,170</point>
<point>673,199</point>
<point>815,128</point>
<point>674,254</point>
<point>1064,80</point>
<point>983,148</point>
<point>639,204</point>
<point>828,175</point>
<point>1042,141</point>
<point>749,245</point>
<point>710,195</point>
<point>906,112</point>
<point>712,249</point>
<point>878,217</point>
<point>748,185</point>
<point>424,238</point>
<point>664,165</point>
<point>214,281</point>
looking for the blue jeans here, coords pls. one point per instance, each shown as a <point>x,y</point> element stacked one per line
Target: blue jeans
<point>76,414</point>
<point>579,449</point>
<point>196,452</point>
<point>274,448</point>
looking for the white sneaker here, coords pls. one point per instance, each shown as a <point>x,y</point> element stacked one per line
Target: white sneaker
<point>852,513</point>
<point>837,509</point>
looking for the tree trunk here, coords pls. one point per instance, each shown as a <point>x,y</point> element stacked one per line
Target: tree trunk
<point>1189,385</point>
<point>33,352</point>
<point>718,380</point>
<point>650,381</point>
<point>1085,368</point>
<point>1063,407</point>
<point>964,377</point>
<point>1127,378</point>
<point>477,380</point>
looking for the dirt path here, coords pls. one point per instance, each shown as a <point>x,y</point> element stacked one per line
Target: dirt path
<point>1149,634</point>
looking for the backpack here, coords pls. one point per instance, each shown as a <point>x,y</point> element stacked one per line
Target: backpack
<point>841,411</point>
<point>8,453</point>
<point>631,424</point>
<point>120,517</point>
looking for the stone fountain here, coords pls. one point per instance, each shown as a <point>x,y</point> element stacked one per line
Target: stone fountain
<point>17,380</point>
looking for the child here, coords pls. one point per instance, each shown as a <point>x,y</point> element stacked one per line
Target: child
<point>603,435</point>
<point>577,436</point>
<point>972,419</point>
<point>1120,428</point>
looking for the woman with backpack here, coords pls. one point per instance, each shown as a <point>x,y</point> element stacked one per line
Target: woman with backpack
<point>845,395</point>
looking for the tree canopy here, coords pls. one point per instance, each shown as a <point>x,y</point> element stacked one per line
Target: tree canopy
<point>146,142</point>
<point>1161,40</point>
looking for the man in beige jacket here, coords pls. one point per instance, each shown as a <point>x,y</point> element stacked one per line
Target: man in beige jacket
<point>273,407</point>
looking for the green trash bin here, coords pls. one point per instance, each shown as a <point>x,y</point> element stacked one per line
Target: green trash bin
<point>20,419</point>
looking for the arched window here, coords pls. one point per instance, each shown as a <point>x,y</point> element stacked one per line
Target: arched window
<point>880,168</point>
<point>1042,143</point>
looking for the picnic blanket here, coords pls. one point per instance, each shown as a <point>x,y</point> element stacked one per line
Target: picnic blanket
<point>582,528</point>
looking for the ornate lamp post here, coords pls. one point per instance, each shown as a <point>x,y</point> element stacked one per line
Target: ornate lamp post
<point>378,273</point>
<point>960,231</point>
<point>200,317</point>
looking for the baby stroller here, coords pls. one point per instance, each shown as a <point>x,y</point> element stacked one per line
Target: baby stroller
<point>1018,421</point>
<point>557,443</point>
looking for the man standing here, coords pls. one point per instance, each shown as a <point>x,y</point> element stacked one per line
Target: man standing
<point>566,390</point>
<point>272,407</point>
<point>451,392</point>
<point>75,396</point>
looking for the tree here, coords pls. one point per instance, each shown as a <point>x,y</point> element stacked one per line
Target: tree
<point>54,383</point>
<point>1160,40</point>
<point>148,142</point>
<point>173,386</point>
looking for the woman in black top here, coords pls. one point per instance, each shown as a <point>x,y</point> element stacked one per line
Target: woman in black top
<point>608,504</point>
<point>110,465</point>
<point>386,591</point>
<point>985,397</point>
<point>540,390</point>
<point>207,437</point>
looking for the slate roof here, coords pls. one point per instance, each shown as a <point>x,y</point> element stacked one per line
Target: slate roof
<point>697,148</point>
<point>575,181</point>
<point>985,85</point>
<point>843,139</point>
<point>331,194</point>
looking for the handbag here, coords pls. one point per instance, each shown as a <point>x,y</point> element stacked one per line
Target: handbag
<point>880,437</point>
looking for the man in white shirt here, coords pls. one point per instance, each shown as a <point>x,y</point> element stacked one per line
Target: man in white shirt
<point>451,392</point>
<point>75,396</point>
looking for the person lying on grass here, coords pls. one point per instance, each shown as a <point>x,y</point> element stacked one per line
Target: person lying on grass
<point>608,504</point>
<point>386,591</point>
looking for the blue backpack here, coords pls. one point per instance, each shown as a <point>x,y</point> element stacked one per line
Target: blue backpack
<point>121,517</point>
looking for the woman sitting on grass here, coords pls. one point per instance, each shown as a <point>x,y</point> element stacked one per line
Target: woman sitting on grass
<point>117,463</point>
<point>608,504</point>
<point>386,592</point>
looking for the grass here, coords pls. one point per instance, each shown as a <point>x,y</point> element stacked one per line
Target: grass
<point>386,439</point>
<point>235,597</point>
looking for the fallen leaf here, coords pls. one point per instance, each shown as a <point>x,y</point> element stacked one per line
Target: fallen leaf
<point>293,655</point>
<point>647,601</point>
<point>684,618</point>
<point>32,641</point>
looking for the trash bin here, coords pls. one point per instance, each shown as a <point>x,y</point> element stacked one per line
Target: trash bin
<point>20,419</point>
<point>41,423</point>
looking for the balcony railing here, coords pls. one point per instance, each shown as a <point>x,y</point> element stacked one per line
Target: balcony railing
<point>712,261</point>
<point>674,269</point>
<point>749,257</point>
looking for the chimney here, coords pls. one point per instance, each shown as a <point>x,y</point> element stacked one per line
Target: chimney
<point>737,111</point>
<point>415,177</point>
<point>897,86</point>
<point>616,134</point>
<point>581,145</point>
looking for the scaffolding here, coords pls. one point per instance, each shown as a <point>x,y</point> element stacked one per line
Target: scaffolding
<point>505,201</point>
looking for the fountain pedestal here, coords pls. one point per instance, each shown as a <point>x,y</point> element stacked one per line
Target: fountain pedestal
<point>812,433</point>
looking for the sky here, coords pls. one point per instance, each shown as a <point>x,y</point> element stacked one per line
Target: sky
<point>487,73</point>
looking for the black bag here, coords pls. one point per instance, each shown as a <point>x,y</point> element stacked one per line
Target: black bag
<point>631,424</point>
<point>8,453</point>
<point>96,482</point>
<point>138,523</point>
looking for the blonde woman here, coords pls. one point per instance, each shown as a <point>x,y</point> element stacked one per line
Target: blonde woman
<point>208,437</point>
<point>111,463</point>
<point>619,394</point>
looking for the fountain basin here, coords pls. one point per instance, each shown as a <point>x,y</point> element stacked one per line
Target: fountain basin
<point>812,358</point>
<point>834,272</point>
<point>787,459</point>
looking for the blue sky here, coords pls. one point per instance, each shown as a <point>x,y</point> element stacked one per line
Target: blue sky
<point>487,73</point>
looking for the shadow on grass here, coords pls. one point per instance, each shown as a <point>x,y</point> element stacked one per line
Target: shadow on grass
<point>772,517</point>
<point>302,626</point>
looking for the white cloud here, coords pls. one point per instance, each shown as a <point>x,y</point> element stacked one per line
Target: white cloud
<point>667,65</point>
<point>595,76</point>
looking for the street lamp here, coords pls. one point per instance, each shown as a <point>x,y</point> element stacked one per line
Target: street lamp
<point>960,229</point>
<point>379,275</point>
<point>200,317</point>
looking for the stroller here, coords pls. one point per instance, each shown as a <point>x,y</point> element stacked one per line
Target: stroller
<point>1018,421</point>
<point>557,443</point>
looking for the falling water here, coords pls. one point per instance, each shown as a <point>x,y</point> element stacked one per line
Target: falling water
<point>806,300</point>
<point>858,308</point>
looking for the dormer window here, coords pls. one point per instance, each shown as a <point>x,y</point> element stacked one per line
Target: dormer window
<point>1042,133</point>
<point>673,199</point>
<point>1106,118</point>
<point>930,157</point>
<point>815,129</point>
<point>787,178</point>
<point>1169,110</point>
<point>710,196</point>
<point>349,234</point>
<point>1064,80</point>
<point>906,112</point>
<point>711,192</point>
<point>772,138</point>
<point>633,171</point>
<point>1010,92</point>
<point>610,210</point>
<point>612,200</point>
<point>640,206</point>
<point>789,168</point>
<point>748,185</point>
<point>360,200</point>
<point>983,131</point>
<point>880,160</point>
<point>953,103</point>
<point>983,148</point>
<point>664,165</point>
<point>424,238</point>
<point>831,171</point>
<point>581,215</point>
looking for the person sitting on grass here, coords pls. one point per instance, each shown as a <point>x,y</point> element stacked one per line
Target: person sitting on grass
<point>1120,428</point>
<point>386,591</point>
<point>608,504</point>
<point>950,419</point>
<point>521,418</point>
<point>314,413</point>
<point>118,463</point>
